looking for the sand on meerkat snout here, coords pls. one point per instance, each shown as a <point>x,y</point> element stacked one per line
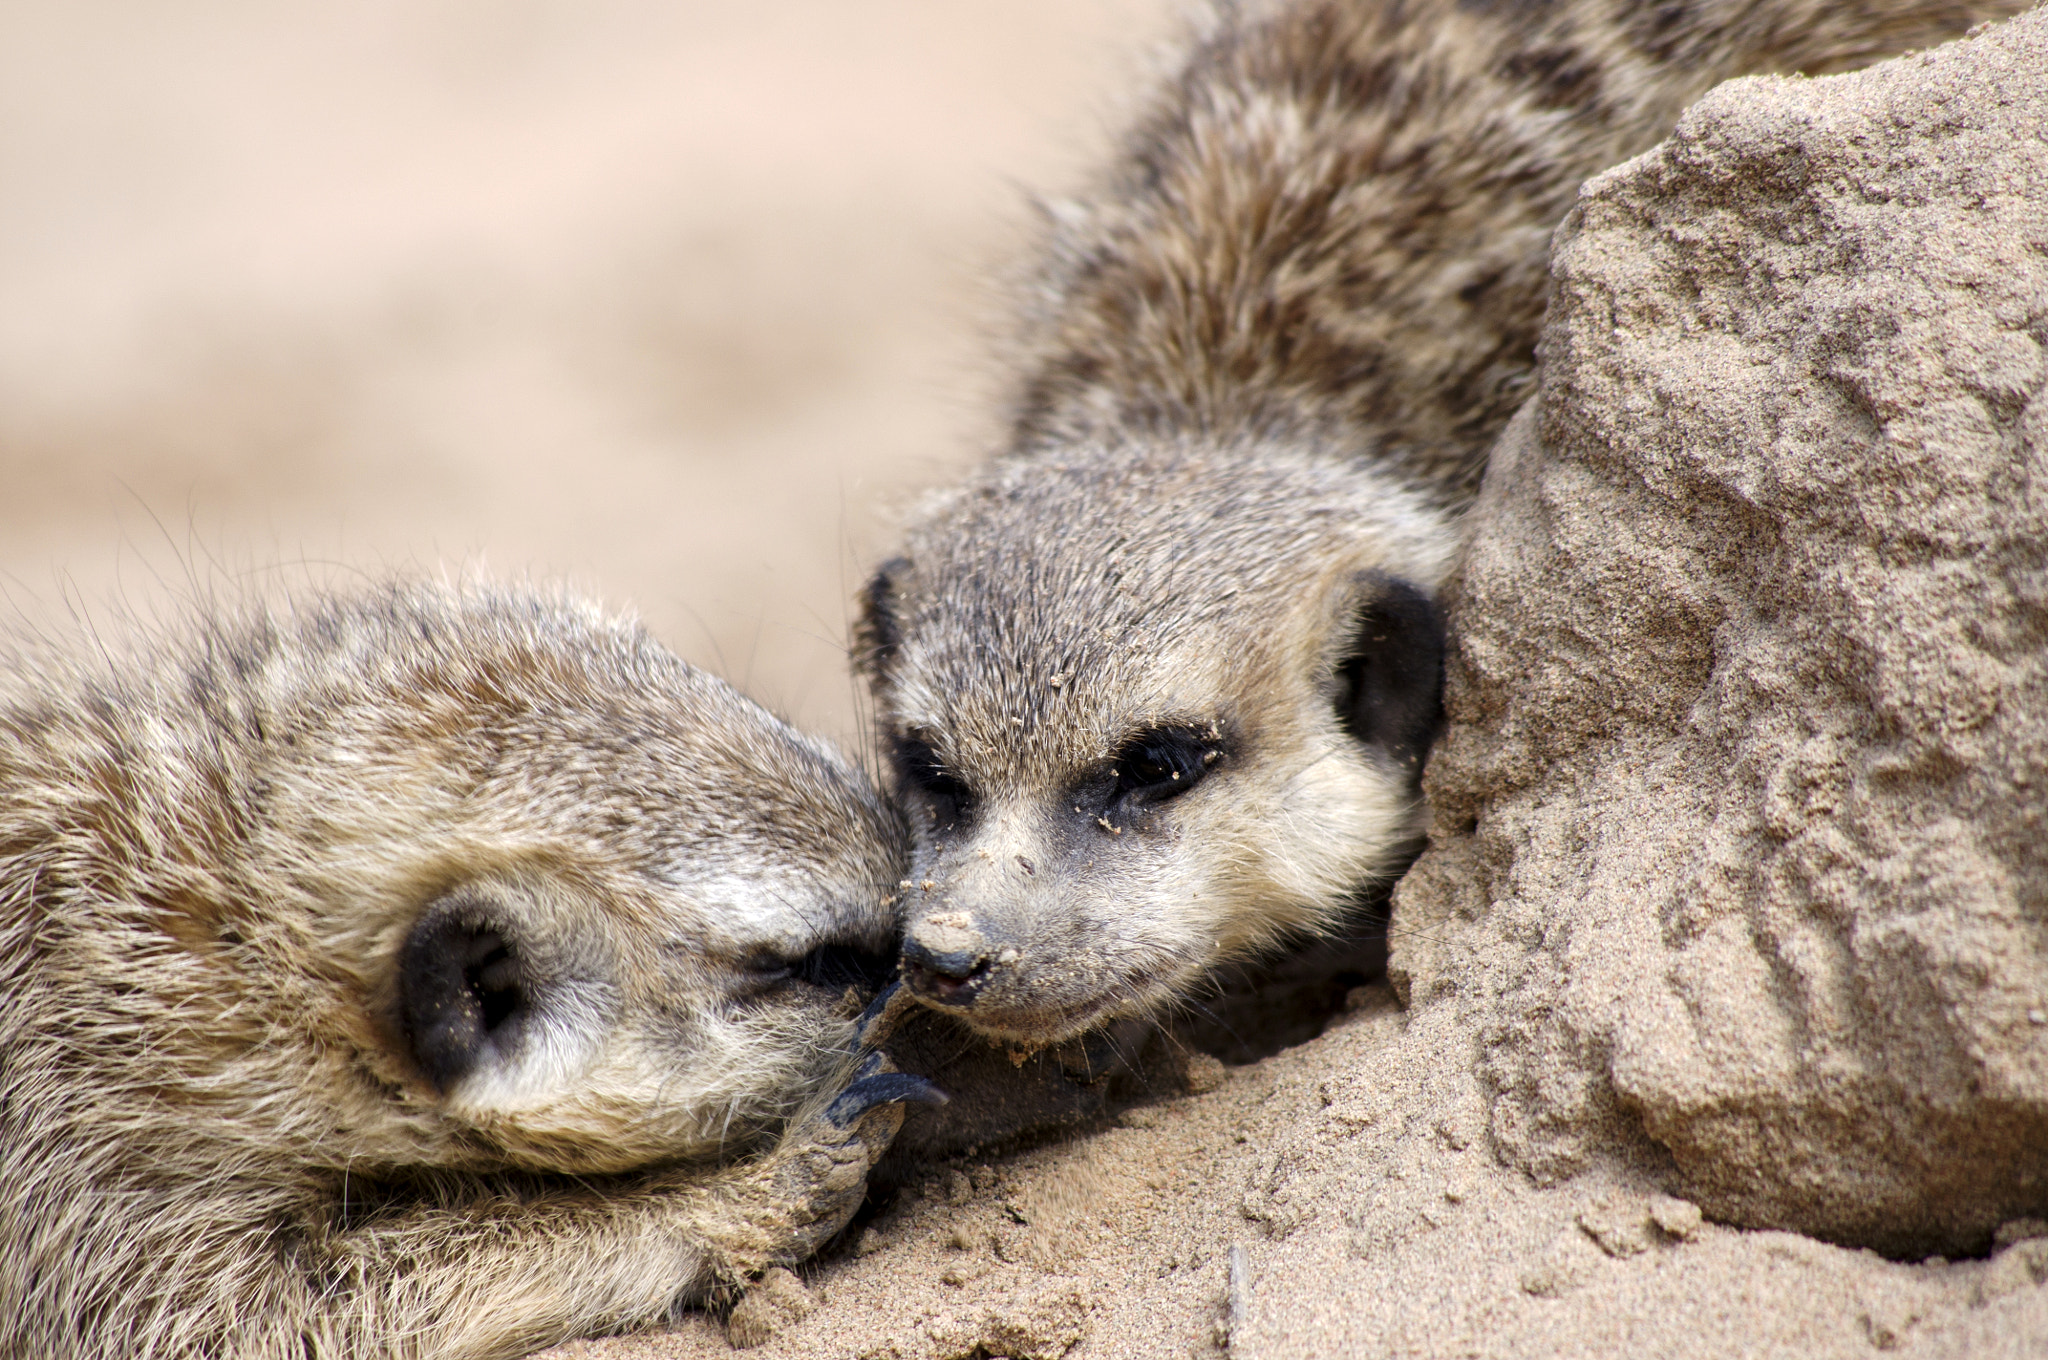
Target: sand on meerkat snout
<point>1739,877</point>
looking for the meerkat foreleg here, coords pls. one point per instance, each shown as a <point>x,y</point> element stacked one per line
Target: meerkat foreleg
<point>499,1278</point>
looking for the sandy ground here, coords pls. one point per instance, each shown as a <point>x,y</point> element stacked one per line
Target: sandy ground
<point>668,298</point>
<point>1351,1179</point>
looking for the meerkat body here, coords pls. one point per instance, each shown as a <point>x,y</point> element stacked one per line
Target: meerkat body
<point>407,975</point>
<point>1159,680</point>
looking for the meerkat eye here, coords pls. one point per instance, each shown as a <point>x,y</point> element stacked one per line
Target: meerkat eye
<point>834,966</point>
<point>840,966</point>
<point>765,969</point>
<point>1163,763</point>
<point>758,976</point>
<point>946,796</point>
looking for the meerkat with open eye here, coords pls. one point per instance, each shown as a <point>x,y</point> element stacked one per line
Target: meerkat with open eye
<point>426,972</point>
<point>1159,681</point>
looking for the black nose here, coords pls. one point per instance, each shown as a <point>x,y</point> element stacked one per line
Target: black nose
<point>949,979</point>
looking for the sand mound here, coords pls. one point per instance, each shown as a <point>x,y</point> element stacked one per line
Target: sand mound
<point>1741,833</point>
<point>1733,920</point>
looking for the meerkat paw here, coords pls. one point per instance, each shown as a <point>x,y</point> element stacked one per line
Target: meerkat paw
<point>821,1169</point>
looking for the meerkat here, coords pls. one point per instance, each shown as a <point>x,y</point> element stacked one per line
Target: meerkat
<point>421,972</point>
<point>1158,681</point>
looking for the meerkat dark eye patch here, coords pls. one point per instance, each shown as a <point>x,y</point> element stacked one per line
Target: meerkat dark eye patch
<point>463,993</point>
<point>839,966</point>
<point>764,972</point>
<point>1162,763</point>
<point>832,966</point>
<point>1390,684</point>
<point>946,797</point>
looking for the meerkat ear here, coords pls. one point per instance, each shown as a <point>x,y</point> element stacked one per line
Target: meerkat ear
<point>1390,678</point>
<point>876,633</point>
<point>462,989</point>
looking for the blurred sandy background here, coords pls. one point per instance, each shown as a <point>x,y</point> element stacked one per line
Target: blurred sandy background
<point>676,299</point>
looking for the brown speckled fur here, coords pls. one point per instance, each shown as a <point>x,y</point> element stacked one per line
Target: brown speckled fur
<point>1257,371</point>
<point>1337,216</point>
<point>214,1137</point>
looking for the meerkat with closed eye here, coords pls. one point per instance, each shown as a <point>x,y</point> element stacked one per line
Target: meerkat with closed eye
<point>1158,682</point>
<point>425,972</point>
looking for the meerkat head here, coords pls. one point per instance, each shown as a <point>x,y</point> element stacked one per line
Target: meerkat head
<point>465,877</point>
<point>614,908</point>
<point>1149,710</point>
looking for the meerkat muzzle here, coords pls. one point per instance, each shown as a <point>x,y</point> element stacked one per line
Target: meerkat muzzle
<point>945,959</point>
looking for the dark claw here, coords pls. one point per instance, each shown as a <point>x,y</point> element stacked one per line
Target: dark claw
<point>877,1006</point>
<point>857,1099</point>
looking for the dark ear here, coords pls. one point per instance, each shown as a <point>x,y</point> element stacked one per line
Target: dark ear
<point>876,633</point>
<point>1390,683</point>
<point>462,991</point>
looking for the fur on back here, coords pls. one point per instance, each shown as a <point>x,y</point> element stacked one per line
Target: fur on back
<point>1332,224</point>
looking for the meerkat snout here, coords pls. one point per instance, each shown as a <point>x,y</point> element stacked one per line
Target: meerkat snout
<point>946,957</point>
